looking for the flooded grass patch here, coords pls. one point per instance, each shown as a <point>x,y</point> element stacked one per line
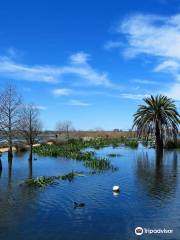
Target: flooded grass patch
<point>132,143</point>
<point>113,155</point>
<point>75,150</point>
<point>101,165</point>
<point>44,181</point>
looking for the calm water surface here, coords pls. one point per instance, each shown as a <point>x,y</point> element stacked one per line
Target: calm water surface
<point>149,197</point>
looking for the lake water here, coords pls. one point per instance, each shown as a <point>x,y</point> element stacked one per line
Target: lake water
<point>149,198</point>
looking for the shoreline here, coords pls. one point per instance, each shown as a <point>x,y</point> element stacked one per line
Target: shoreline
<point>5,149</point>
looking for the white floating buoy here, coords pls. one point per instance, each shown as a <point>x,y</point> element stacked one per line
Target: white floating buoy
<point>116,189</point>
<point>115,194</point>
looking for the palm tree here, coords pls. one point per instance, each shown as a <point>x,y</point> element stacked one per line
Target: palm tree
<point>157,117</point>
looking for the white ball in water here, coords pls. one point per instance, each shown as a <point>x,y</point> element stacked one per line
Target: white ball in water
<point>115,189</point>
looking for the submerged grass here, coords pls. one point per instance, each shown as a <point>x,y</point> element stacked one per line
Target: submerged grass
<point>44,181</point>
<point>132,143</point>
<point>114,155</point>
<point>75,150</point>
<point>101,165</point>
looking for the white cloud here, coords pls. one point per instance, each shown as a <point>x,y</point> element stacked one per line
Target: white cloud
<point>78,103</point>
<point>77,66</point>
<point>156,36</point>
<point>79,58</point>
<point>19,71</point>
<point>62,92</point>
<point>112,44</point>
<point>133,96</point>
<point>88,73</point>
<point>168,66</point>
<point>144,81</point>
<point>174,91</point>
<point>40,107</point>
<point>152,35</point>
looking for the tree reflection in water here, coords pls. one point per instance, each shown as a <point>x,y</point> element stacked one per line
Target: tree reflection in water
<point>158,174</point>
<point>30,167</point>
<point>9,169</point>
<point>14,197</point>
<point>0,172</point>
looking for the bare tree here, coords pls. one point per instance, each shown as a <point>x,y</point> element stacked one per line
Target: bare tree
<point>29,125</point>
<point>10,105</point>
<point>64,127</point>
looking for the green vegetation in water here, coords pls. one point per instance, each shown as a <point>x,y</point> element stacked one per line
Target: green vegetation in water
<point>133,143</point>
<point>145,142</point>
<point>99,143</point>
<point>45,181</point>
<point>39,181</point>
<point>114,155</point>
<point>70,176</point>
<point>169,144</point>
<point>101,165</point>
<point>73,150</point>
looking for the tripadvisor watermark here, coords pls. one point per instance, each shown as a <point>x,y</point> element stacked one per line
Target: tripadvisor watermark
<point>139,231</point>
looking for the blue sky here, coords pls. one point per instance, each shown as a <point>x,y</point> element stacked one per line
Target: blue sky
<point>90,62</point>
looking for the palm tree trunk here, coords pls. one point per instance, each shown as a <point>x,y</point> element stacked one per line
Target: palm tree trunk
<point>159,140</point>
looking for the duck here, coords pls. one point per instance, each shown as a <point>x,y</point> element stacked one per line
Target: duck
<point>116,188</point>
<point>79,205</point>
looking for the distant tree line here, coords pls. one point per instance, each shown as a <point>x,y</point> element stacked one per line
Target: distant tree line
<point>64,127</point>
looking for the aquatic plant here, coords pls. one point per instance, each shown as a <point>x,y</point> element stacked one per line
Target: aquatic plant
<point>145,143</point>
<point>74,150</point>
<point>133,143</point>
<point>44,181</point>
<point>70,176</point>
<point>114,155</point>
<point>39,181</point>
<point>101,165</point>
